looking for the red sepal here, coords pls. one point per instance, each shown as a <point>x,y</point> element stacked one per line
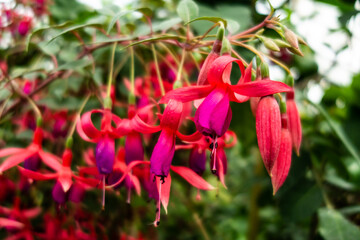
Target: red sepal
<point>191,177</point>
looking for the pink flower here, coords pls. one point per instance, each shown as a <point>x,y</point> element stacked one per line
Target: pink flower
<point>294,122</point>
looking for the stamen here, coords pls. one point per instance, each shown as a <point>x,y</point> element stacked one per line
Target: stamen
<point>213,155</point>
<point>158,207</point>
<point>128,196</point>
<point>103,192</point>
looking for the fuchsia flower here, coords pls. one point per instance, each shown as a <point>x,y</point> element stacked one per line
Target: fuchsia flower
<point>18,221</point>
<point>214,114</point>
<point>268,130</point>
<point>30,155</point>
<point>64,186</point>
<point>294,121</point>
<point>163,187</point>
<point>282,164</point>
<point>105,138</point>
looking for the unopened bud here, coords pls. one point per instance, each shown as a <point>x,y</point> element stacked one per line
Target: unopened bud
<point>301,41</point>
<point>290,80</point>
<point>270,44</point>
<point>264,70</point>
<point>226,46</point>
<point>291,37</point>
<point>296,51</point>
<point>177,84</point>
<point>281,43</point>
<point>107,103</point>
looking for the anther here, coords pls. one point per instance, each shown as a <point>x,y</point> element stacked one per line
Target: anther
<point>211,146</point>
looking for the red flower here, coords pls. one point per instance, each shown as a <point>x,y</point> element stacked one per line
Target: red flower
<point>294,122</point>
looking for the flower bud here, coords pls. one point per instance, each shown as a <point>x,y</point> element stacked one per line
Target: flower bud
<point>282,164</point>
<point>270,44</point>
<point>24,26</point>
<point>281,43</point>
<point>294,122</point>
<point>105,155</point>
<point>268,130</point>
<point>296,51</point>
<point>291,37</point>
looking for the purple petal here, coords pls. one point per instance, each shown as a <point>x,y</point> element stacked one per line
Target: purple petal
<point>58,193</point>
<point>105,155</point>
<point>197,160</point>
<point>134,149</point>
<point>76,193</point>
<point>33,162</point>
<point>163,153</point>
<point>214,114</point>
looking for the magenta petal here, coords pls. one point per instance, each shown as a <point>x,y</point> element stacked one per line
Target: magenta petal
<point>134,149</point>
<point>197,160</point>
<point>58,193</point>
<point>163,153</point>
<point>33,162</point>
<point>214,114</point>
<point>105,155</point>
<point>76,192</point>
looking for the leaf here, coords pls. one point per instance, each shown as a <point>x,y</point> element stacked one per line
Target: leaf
<point>75,65</point>
<point>211,19</point>
<point>73,28</point>
<point>187,10</point>
<point>333,226</point>
<point>145,11</point>
<point>39,30</point>
<point>338,131</point>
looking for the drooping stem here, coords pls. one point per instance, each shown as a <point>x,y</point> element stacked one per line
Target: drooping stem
<point>181,66</point>
<point>77,118</point>
<point>111,71</point>
<point>158,70</point>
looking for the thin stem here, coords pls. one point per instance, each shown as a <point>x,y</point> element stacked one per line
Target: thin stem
<point>162,89</point>
<point>132,71</point>
<point>170,52</point>
<point>239,57</point>
<point>72,129</point>
<point>110,78</point>
<point>280,64</point>
<point>179,72</point>
<point>249,48</point>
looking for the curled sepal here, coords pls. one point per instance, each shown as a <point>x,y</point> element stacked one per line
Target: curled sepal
<point>189,138</point>
<point>139,125</point>
<point>172,114</point>
<point>8,223</point>
<point>191,177</point>
<point>268,130</point>
<point>282,164</point>
<point>37,175</point>
<point>260,88</point>
<point>187,94</point>
<point>220,69</point>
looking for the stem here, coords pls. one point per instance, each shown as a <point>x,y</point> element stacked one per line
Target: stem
<point>72,129</point>
<point>249,48</point>
<point>280,64</point>
<point>201,226</point>
<point>110,78</point>
<point>158,71</point>
<point>179,72</point>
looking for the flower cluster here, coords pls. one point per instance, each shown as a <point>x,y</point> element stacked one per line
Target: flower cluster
<point>132,144</point>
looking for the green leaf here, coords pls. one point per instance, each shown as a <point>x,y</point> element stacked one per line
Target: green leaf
<point>75,65</point>
<point>211,19</point>
<point>145,11</point>
<point>39,30</point>
<point>187,10</point>
<point>73,28</point>
<point>333,226</point>
<point>338,131</point>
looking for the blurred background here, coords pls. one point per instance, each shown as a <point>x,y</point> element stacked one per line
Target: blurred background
<point>321,196</point>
